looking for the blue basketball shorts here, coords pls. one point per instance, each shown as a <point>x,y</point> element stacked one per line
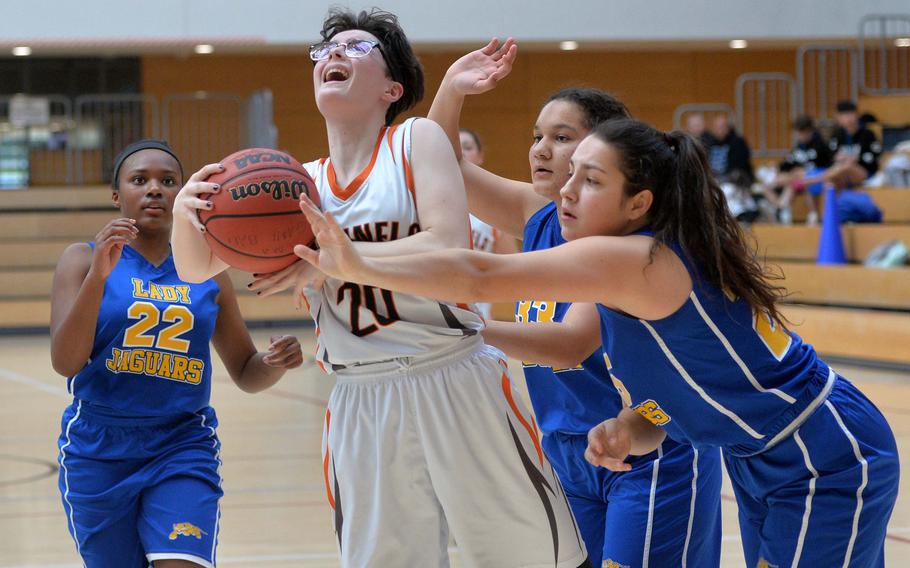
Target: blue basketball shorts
<point>665,512</point>
<point>823,496</point>
<point>136,490</point>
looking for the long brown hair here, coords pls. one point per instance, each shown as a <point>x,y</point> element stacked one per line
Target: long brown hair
<point>690,210</point>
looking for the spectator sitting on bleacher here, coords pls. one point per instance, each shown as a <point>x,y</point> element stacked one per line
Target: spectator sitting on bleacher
<point>809,156</point>
<point>727,151</point>
<point>740,201</point>
<point>695,125</point>
<point>856,151</point>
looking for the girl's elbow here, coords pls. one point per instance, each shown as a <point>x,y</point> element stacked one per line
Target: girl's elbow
<point>189,276</point>
<point>63,367</point>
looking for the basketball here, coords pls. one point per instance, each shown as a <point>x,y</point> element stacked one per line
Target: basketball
<point>255,220</point>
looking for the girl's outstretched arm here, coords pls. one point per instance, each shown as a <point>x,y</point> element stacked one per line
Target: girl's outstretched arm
<point>615,271</point>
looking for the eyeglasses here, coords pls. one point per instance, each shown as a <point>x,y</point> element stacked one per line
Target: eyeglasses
<point>355,49</point>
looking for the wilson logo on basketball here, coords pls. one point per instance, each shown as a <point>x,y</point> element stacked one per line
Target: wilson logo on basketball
<point>247,159</point>
<point>278,189</point>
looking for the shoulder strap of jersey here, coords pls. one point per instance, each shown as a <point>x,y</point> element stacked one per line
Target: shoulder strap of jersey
<point>399,141</point>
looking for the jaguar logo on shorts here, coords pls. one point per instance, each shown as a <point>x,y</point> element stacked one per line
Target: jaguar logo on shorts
<point>762,563</point>
<point>186,529</point>
<point>613,564</point>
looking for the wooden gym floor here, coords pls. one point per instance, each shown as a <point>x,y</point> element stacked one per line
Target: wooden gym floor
<point>275,513</point>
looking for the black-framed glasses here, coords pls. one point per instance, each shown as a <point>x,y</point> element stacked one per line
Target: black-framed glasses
<point>354,49</point>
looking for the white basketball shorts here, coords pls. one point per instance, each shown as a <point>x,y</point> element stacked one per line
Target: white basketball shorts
<point>413,448</point>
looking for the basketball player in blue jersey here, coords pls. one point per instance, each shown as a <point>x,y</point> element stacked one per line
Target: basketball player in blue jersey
<point>666,511</point>
<point>423,435</point>
<point>139,456</point>
<point>694,336</point>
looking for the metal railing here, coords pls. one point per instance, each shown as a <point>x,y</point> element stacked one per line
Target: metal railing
<point>203,127</point>
<point>765,110</point>
<point>261,131</point>
<point>826,74</point>
<point>43,142</point>
<point>884,54</point>
<point>104,125</point>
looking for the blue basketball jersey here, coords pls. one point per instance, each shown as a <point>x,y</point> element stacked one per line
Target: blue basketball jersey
<point>566,400</point>
<point>151,351</point>
<point>715,372</point>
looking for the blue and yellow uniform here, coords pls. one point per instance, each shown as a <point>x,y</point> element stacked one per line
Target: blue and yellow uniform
<point>813,463</point>
<point>666,511</point>
<point>139,455</point>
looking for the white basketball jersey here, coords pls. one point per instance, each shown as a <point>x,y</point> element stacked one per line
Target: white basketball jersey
<point>357,324</point>
<point>483,235</point>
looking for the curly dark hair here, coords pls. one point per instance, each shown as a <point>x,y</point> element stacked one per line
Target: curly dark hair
<point>690,210</point>
<point>403,65</point>
<point>597,106</point>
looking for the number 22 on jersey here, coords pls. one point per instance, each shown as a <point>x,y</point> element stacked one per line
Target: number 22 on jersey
<point>149,316</point>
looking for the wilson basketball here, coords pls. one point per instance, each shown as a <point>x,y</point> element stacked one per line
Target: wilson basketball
<point>255,220</point>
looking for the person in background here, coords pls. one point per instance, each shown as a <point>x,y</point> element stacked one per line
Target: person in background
<point>695,125</point>
<point>485,237</point>
<point>856,152</point>
<point>727,150</point>
<point>810,156</point>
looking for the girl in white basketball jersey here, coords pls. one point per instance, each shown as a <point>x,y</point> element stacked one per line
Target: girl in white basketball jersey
<point>486,238</point>
<point>423,432</point>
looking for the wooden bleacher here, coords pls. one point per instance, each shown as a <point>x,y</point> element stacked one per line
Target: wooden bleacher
<point>37,224</point>
<point>894,203</point>
<point>848,311</point>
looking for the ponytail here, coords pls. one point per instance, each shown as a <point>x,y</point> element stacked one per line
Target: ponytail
<point>689,209</point>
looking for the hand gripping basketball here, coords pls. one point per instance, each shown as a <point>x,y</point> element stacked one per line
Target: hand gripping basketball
<point>253,221</point>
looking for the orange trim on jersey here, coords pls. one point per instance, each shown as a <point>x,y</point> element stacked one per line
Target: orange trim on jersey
<point>388,138</point>
<point>307,302</point>
<point>351,189</point>
<point>408,176</point>
<point>325,460</point>
<point>507,390</point>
